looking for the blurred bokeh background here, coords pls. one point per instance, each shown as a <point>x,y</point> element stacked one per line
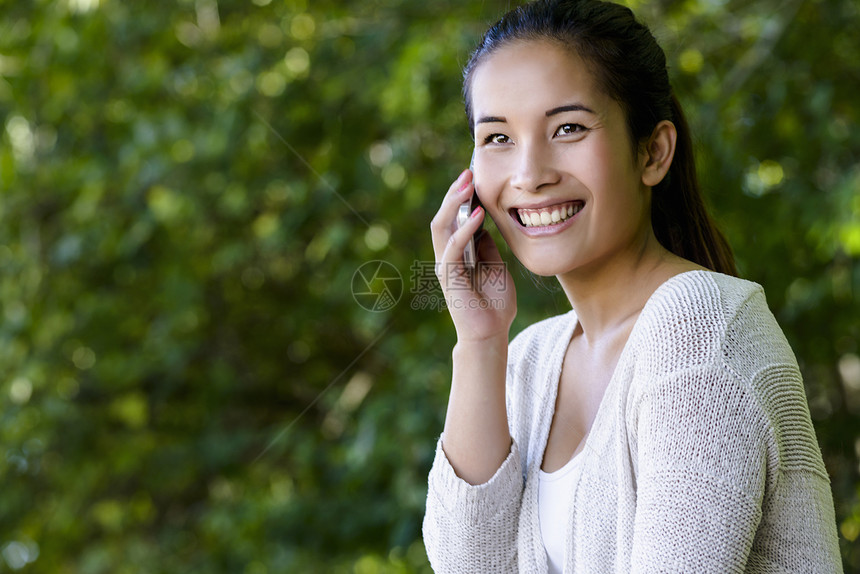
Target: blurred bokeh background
<point>188,382</point>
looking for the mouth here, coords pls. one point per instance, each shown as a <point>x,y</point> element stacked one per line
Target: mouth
<point>547,216</point>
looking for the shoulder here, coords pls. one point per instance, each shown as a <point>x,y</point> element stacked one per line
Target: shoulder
<point>710,346</point>
<point>708,294</point>
<point>716,330</point>
<point>691,317</point>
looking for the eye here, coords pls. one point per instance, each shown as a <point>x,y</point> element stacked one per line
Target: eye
<point>496,139</point>
<point>570,129</point>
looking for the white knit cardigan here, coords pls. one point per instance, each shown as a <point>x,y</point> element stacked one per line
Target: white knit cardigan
<point>701,458</point>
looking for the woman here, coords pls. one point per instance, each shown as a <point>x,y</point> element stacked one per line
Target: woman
<point>661,425</point>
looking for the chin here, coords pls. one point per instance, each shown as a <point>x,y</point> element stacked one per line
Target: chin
<point>544,266</point>
<point>538,261</point>
<point>544,270</point>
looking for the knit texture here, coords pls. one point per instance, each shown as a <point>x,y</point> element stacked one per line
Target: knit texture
<point>701,458</point>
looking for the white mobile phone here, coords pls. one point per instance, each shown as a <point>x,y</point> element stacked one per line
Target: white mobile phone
<point>470,256</point>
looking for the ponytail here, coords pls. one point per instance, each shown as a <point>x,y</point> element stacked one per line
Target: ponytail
<point>679,217</point>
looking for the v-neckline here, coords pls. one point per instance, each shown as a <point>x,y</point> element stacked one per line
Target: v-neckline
<point>564,341</point>
<point>555,381</point>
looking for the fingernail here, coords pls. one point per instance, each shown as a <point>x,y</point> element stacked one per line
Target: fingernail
<point>477,212</point>
<point>465,183</point>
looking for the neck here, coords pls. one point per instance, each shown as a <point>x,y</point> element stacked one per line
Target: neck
<point>609,295</point>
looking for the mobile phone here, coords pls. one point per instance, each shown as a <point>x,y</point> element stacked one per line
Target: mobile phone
<point>470,255</point>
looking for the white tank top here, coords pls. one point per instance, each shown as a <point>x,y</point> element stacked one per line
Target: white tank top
<point>554,491</point>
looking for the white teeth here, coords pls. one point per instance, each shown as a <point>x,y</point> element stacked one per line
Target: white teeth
<point>537,218</point>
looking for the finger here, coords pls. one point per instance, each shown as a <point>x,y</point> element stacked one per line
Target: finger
<point>458,185</point>
<point>460,192</point>
<point>456,243</point>
<point>444,222</point>
<point>451,259</point>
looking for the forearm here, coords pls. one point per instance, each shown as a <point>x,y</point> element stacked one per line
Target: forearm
<point>477,439</point>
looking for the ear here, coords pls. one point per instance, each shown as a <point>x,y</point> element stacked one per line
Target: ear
<point>657,156</point>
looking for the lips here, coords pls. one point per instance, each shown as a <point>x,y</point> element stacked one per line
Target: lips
<point>550,215</point>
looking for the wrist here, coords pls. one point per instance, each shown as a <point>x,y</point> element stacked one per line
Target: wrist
<point>479,348</point>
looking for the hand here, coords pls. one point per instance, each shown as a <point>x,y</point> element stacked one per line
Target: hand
<point>482,305</point>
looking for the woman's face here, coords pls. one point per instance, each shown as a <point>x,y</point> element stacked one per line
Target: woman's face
<point>554,164</point>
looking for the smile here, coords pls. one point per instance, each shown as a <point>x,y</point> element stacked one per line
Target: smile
<point>547,216</point>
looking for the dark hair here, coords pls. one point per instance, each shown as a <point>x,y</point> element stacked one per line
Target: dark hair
<point>630,67</point>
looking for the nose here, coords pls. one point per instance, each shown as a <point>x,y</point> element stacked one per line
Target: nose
<point>533,168</point>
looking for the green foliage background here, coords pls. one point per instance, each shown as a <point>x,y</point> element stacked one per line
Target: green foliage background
<point>186,382</point>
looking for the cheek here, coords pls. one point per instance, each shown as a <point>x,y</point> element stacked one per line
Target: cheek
<point>488,187</point>
<point>609,170</point>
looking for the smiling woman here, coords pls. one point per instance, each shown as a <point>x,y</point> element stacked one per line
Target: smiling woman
<point>661,424</point>
<point>536,154</point>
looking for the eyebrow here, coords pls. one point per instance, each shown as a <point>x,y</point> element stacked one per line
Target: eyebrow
<point>491,119</point>
<point>569,108</point>
<point>552,112</point>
